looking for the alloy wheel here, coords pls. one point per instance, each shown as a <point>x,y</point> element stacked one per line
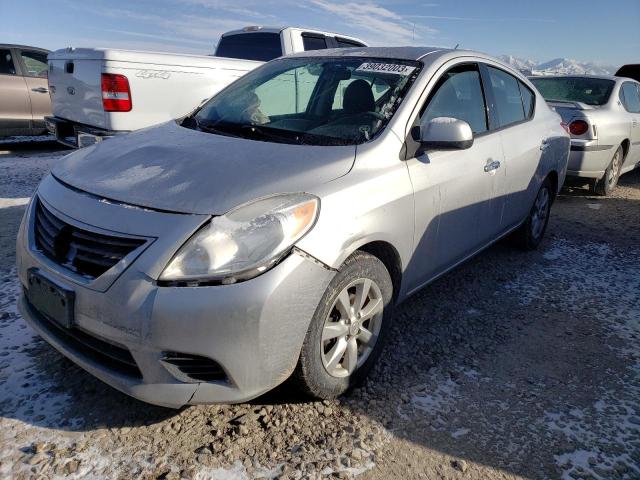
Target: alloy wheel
<point>352,327</point>
<point>540,212</point>
<point>614,171</point>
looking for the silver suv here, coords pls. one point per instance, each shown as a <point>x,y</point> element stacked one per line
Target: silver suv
<point>272,232</point>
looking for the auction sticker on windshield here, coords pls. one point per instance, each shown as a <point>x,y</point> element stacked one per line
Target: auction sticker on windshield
<point>394,68</point>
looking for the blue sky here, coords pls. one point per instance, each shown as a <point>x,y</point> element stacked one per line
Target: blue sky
<point>606,32</point>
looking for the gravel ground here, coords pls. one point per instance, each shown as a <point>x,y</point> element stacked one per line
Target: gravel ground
<point>515,365</point>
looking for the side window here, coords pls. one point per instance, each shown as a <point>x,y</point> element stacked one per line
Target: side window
<point>458,94</point>
<point>630,97</point>
<point>7,66</point>
<point>312,42</point>
<point>35,63</point>
<point>507,97</point>
<point>528,100</point>
<point>344,43</point>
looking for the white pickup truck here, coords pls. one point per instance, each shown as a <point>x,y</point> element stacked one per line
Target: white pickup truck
<point>97,93</point>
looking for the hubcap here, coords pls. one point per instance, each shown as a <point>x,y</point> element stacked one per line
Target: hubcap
<point>352,327</point>
<point>612,174</point>
<point>540,212</point>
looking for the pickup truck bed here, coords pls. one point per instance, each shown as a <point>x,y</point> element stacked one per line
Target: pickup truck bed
<point>161,86</point>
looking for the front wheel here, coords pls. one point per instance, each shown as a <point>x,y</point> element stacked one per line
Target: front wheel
<point>531,232</point>
<point>607,184</point>
<point>348,329</point>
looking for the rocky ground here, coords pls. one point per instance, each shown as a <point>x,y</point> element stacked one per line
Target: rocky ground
<point>515,365</point>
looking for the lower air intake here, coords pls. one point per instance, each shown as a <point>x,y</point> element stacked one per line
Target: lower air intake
<point>187,367</point>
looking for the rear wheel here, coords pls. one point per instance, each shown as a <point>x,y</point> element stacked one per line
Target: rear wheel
<point>608,182</point>
<point>348,329</point>
<point>531,232</point>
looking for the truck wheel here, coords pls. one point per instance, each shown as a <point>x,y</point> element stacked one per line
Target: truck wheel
<point>531,232</point>
<point>605,185</point>
<point>348,329</point>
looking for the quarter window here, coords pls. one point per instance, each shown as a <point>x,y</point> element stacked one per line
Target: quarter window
<point>506,93</point>
<point>458,94</point>
<point>7,66</point>
<point>35,63</point>
<point>528,100</point>
<point>311,42</point>
<point>630,97</point>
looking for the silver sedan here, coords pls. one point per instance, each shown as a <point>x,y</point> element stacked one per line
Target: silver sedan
<point>272,232</point>
<point>603,115</point>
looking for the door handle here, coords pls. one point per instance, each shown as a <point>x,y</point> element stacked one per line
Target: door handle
<point>492,165</point>
<point>40,90</point>
<point>544,145</point>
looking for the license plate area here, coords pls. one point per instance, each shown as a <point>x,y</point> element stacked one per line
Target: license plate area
<point>50,299</point>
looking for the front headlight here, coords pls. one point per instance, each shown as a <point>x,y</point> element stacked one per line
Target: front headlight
<point>245,242</point>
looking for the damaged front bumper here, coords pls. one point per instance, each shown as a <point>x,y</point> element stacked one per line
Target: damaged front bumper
<point>173,346</point>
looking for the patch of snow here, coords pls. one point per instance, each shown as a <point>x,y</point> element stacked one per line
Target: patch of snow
<point>237,472</point>
<point>460,432</point>
<point>14,202</point>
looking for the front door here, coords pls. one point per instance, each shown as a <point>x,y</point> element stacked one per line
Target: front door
<point>15,107</point>
<point>455,211</point>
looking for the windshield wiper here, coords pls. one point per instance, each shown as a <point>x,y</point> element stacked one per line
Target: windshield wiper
<point>267,132</point>
<point>213,128</point>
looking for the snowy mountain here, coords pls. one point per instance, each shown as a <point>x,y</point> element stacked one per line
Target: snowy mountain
<point>564,66</point>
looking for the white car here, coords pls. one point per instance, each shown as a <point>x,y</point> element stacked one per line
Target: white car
<point>603,116</point>
<point>99,92</point>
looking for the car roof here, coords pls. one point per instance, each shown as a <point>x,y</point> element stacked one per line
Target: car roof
<point>396,53</point>
<point>267,29</point>
<point>568,75</point>
<point>25,47</point>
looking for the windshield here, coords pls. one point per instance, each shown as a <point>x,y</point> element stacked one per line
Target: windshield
<point>592,91</point>
<point>262,46</point>
<point>313,101</point>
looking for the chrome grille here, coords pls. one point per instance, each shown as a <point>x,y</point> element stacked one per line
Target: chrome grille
<point>87,253</point>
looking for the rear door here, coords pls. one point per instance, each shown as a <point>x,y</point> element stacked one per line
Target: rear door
<point>455,213</point>
<point>35,70</point>
<point>523,140</point>
<point>15,106</point>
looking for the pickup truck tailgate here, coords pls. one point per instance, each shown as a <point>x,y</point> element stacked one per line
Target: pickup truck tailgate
<point>75,86</point>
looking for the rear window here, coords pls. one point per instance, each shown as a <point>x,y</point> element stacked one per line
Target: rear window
<point>592,91</point>
<point>35,63</point>
<point>260,46</point>
<point>312,42</point>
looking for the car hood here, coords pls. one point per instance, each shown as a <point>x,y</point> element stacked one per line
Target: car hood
<point>172,168</point>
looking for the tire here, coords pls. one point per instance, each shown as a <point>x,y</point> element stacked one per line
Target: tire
<point>316,374</point>
<point>532,231</point>
<point>607,184</point>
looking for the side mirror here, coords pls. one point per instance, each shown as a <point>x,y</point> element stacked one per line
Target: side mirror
<point>443,133</point>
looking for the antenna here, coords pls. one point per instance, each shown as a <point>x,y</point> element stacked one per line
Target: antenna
<point>456,47</point>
